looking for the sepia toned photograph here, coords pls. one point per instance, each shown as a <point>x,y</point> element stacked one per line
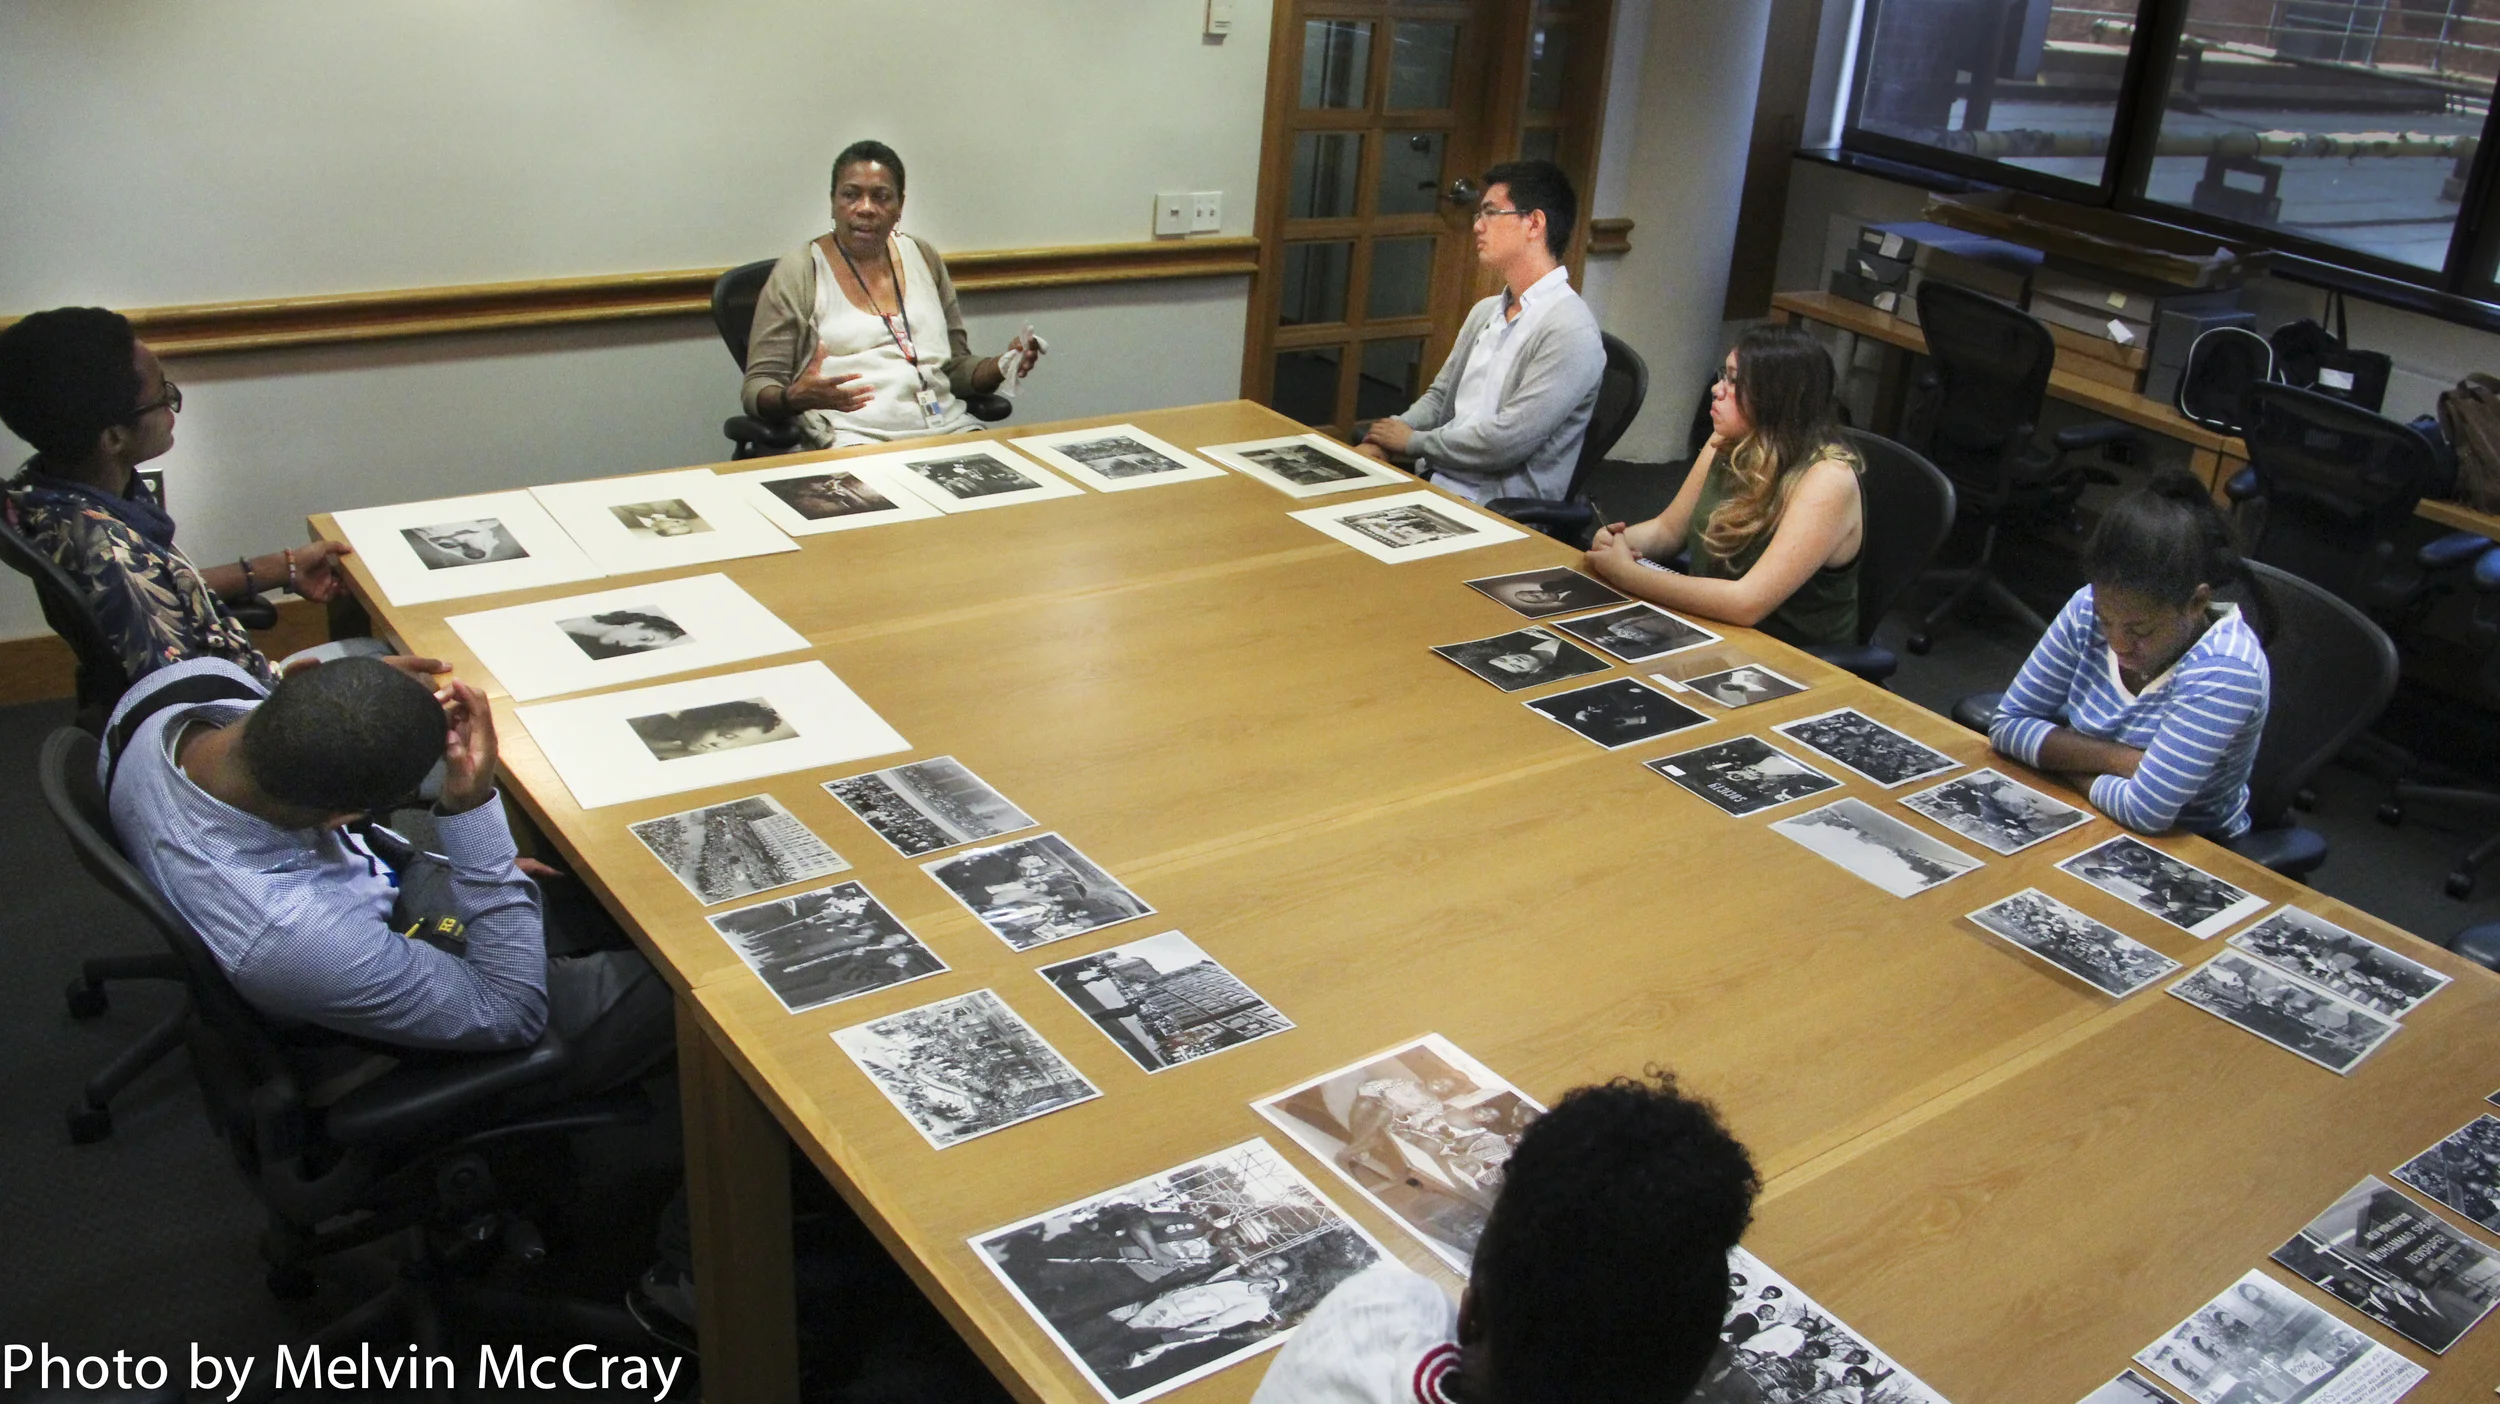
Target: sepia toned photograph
<point>2462,1171</point>
<point>450,545</point>
<point>1745,685</point>
<point>2103,957</point>
<point>2260,1342</point>
<point>1164,1001</point>
<point>1782,1347</point>
<point>1877,847</point>
<point>2333,1033</point>
<point>654,520</point>
<point>972,475</point>
<point>2189,898</point>
<point>928,805</point>
<point>1996,811</point>
<point>1036,890</point>
<point>2397,1263</point>
<point>823,496</point>
<point>1618,713</point>
<point>821,947</point>
<point>963,1067</point>
<point>1181,1274</point>
<point>2326,955</point>
<point>1637,633</point>
<point>737,849</point>
<point>1422,1131</point>
<point>1868,747</point>
<point>714,727</point>
<point>1540,593</point>
<point>1522,659</point>
<point>1744,776</point>
<point>624,633</point>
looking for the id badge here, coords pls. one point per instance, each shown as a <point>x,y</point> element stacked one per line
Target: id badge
<point>928,404</point>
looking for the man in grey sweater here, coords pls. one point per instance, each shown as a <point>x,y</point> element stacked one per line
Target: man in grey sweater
<point>1506,415</point>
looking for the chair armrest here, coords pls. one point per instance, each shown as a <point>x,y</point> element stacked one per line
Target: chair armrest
<point>2243,485</point>
<point>989,409</point>
<point>2290,851</point>
<point>1978,711</point>
<point>2457,548</point>
<point>2097,435</point>
<point>1572,523</point>
<point>253,612</point>
<point>2479,944</point>
<point>1865,660</point>
<point>2487,572</point>
<point>405,1102</point>
<point>764,433</point>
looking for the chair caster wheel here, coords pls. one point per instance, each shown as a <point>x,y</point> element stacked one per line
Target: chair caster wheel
<point>1919,644</point>
<point>88,1125</point>
<point>2460,885</point>
<point>289,1284</point>
<point>2391,814</point>
<point>85,1001</point>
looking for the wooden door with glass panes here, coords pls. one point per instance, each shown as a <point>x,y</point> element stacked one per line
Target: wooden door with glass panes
<point>1380,117</point>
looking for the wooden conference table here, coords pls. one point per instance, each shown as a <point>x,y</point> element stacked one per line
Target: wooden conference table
<point>2007,1181</point>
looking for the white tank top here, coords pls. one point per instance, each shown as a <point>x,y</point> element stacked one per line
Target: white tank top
<point>860,344</point>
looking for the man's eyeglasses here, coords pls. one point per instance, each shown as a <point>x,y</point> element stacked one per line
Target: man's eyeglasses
<point>1483,214</point>
<point>168,399</point>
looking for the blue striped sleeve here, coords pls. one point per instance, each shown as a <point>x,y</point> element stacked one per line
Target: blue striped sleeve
<point>2035,705</point>
<point>2209,709</point>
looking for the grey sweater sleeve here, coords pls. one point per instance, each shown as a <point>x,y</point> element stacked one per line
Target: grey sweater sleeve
<point>1559,367</point>
<point>1432,410</point>
<point>783,337</point>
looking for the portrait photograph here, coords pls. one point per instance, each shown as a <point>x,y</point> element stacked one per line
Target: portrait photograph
<point>1617,713</point>
<point>1033,891</point>
<point>635,634</point>
<point>623,633</point>
<point>1538,594</point>
<point>2332,1032</point>
<point>1637,633</point>
<point>452,545</point>
<point>1877,847</point>
<point>737,849</point>
<point>1744,685</point>
<point>655,520</point>
<point>715,726</point>
<point>1744,776</point>
<point>451,548</point>
<point>2103,957</point>
<point>1523,659</point>
<point>1164,1001</point>
<point>964,1067</point>
<point>819,948</point>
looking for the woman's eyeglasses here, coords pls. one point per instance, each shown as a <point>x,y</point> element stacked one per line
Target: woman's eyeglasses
<point>170,398</point>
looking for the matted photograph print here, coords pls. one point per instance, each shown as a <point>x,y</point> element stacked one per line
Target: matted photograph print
<point>2351,965</point>
<point>1744,685</point>
<point>634,634</point>
<point>1304,465</point>
<point>820,947</point>
<point>1522,659</point>
<point>928,805</point>
<point>1877,847</point>
<point>963,1067</point>
<point>1743,776</point>
<point>1422,1131</point>
<point>808,499</point>
<point>1170,1279</point>
<point>2462,1171</point>
<point>2398,1264</point>
<point>1995,810</point>
<point>737,849</point>
<point>2189,898</point>
<point>2128,1388</point>
<point>2103,957</point>
<point>1542,593</point>
<point>1868,747</point>
<point>657,521</point>
<point>2260,1342</point>
<point>1618,713</point>
<point>1407,526</point>
<point>2292,1014</point>
<point>1637,633</point>
<point>1116,457</point>
<point>1783,1345</point>
<point>454,547</point>
<point>972,477</point>
<point>1164,1001</point>
<point>1036,890</point>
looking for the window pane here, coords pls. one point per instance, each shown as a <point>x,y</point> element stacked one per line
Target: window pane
<point>2362,154</point>
<point>1306,384</point>
<point>1549,52</point>
<point>1541,144</point>
<point>1401,280</point>
<point>1315,279</point>
<point>2033,85</point>
<point>1410,171</point>
<point>1336,62</point>
<point>1387,382</point>
<point>1325,167</point>
<point>1420,57</point>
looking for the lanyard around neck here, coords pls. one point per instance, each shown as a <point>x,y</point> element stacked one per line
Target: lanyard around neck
<point>905,343</point>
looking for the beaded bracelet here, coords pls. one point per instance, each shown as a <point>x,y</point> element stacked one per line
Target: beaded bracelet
<point>291,583</point>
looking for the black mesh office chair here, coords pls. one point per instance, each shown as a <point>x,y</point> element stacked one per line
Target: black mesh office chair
<point>2477,559</point>
<point>733,315</point>
<point>1978,407</point>
<point>1573,519</point>
<point>101,677</point>
<point>1908,507</point>
<point>2333,487</point>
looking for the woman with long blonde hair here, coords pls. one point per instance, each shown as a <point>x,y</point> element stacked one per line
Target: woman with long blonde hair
<point>1769,518</point>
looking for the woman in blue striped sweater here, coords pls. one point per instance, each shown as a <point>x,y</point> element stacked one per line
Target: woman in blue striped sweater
<point>2144,693</point>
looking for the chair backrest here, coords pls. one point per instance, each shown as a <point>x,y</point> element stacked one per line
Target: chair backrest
<point>101,677</point>
<point>2337,484</point>
<point>733,304</point>
<point>1619,395</point>
<point>1990,362</point>
<point>2333,673</point>
<point>1909,507</point>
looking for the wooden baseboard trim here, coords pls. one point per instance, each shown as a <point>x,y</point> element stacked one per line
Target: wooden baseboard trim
<point>41,669</point>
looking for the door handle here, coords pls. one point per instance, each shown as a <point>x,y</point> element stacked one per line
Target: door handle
<point>1463,191</point>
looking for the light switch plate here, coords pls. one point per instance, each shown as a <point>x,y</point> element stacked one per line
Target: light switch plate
<point>1219,17</point>
<point>1206,211</point>
<point>1171,212</point>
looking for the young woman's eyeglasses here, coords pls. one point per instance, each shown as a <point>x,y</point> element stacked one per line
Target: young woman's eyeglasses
<point>170,398</point>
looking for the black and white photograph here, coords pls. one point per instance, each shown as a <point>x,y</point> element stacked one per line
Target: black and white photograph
<point>2334,1033</point>
<point>1303,465</point>
<point>1117,457</point>
<point>1407,526</point>
<point>2103,957</point>
<point>1120,457</point>
<point>2351,965</point>
<point>964,1067</point>
<point>1422,1131</point>
<point>973,475</point>
<point>624,633</point>
<point>1523,659</point>
<point>2188,897</point>
<point>821,496</point>
<point>1176,1276</point>
<point>2260,1342</point>
<point>1784,1348</point>
<point>738,849</point>
<point>2128,1388</point>
<point>653,520</point>
<point>1539,594</point>
<point>1996,811</point>
<point>1164,1001</point>
<point>1412,525</point>
<point>928,805</point>
<point>1868,747</point>
<point>812,499</point>
<point>716,726</point>
<point>822,947</point>
<point>2462,1171</point>
<point>1637,633</point>
<point>1744,685</point>
<point>2397,1263</point>
<point>578,642</point>
<point>1877,847</point>
<point>1743,776</point>
<point>1618,713</point>
<point>453,545</point>
<point>970,478</point>
<point>1036,890</point>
